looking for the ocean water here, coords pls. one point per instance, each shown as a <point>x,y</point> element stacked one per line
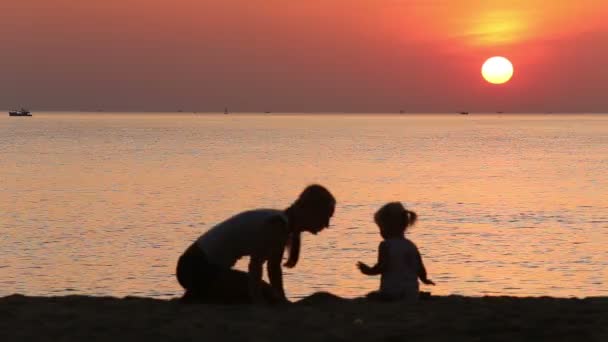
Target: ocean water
<point>104,203</point>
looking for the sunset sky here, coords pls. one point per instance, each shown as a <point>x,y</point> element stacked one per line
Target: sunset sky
<point>303,55</point>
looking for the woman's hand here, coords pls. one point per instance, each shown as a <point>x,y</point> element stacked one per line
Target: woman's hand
<point>290,263</point>
<point>279,299</point>
<point>427,281</point>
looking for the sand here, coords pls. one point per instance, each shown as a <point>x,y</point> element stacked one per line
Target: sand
<point>317,318</point>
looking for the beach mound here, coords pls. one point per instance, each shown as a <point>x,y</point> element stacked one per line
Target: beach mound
<point>321,317</point>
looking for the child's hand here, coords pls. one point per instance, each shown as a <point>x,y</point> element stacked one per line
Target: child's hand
<point>428,282</point>
<point>363,267</point>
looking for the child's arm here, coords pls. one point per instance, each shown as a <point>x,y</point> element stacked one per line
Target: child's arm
<point>422,270</point>
<point>380,265</point>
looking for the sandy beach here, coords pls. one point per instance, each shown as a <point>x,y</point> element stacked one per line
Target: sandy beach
<point>317,318</point>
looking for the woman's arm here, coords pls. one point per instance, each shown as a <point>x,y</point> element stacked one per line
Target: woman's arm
<point>278,227</point>
<point>255,279</point>
<point>275,275</point>
<point>380,265</point>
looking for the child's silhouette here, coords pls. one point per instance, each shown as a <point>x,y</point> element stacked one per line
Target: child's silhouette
<point>399,262</point>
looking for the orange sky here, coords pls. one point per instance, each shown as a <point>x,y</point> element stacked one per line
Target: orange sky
<point>302,55</point>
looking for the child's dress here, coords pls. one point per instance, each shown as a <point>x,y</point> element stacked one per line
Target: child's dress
<point>399,279</point>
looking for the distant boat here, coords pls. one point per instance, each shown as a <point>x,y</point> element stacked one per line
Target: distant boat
<point>464,113</point>
<point>226,110</point>
<point>267,112</point>
<point>21,112</point>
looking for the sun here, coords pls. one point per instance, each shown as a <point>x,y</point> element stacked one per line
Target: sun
<point>497,70</point>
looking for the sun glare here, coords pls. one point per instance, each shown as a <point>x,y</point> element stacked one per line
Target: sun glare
<point>497,70</point>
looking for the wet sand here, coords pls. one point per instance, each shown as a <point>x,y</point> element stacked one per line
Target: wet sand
<point>317,318</point>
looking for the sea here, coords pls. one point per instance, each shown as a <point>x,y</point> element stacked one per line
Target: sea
<point>103,204</point>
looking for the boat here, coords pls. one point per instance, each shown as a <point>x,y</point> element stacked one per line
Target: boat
<point>464,113</point>
<point>226,110</point>
<point>21,112</point>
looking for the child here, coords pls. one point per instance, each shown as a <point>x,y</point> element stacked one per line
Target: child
<point>399,262</point>
<point>205,269</point>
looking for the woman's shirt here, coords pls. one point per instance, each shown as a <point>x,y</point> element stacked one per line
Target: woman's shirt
<point>243,234</point>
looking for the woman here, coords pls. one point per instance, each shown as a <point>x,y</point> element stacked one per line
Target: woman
<point>205,269</point>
